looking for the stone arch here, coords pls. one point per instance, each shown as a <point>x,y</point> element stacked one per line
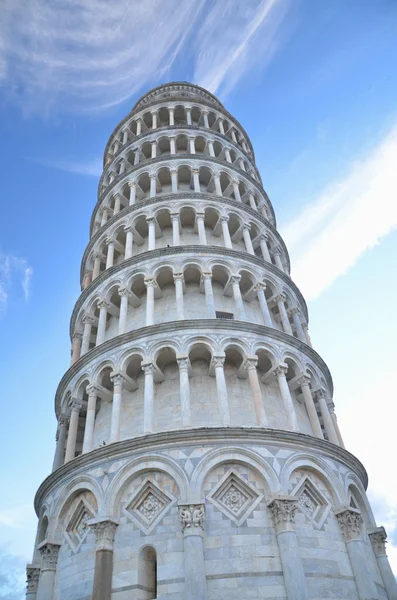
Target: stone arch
<point>218,457</point>
<point>79,485</point>
<point>147,572</point>
<point>132,469</point>
<point>354,488</point>
<point>319,466</point>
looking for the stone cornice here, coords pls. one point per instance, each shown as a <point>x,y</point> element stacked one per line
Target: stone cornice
<point>181,99</point>
<point>205,436</point>
<point>172,197</point>
<point>190,325</point>
<point>180,129</point>
<point>177,158</point>
<point>178,250</point>
<point>177,85</point>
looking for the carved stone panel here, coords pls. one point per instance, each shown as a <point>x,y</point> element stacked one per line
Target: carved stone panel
<point>235,497</point>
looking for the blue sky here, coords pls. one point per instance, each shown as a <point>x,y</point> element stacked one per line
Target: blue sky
<point>314,85</point>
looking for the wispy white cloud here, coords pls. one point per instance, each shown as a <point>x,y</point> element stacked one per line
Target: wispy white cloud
<point>89,55</point>
<point>228,43</point>
<point>351,216</point>
<point>91,167</point>
<point>14,272</point>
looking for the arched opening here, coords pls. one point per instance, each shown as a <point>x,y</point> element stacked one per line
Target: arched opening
<point>181,144</point>
<point>147,573</point>
<point>163,117</point>
<point>164,180</point>
<point>163,145</point>
<point>43,528</point>
<point>184,179</point>
<point>146,150</point>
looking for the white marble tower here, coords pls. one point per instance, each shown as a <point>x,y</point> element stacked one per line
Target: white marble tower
<point>198,454</point>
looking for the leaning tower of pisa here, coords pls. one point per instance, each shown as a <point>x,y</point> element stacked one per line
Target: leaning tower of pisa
<point>198,454</point>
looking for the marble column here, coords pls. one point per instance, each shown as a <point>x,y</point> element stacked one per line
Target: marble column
<point>49,558</point>
<point>201,228</point>
<point>87,279</point>
<point>73,426</point>
<point>60,449</point>
<point>331,408</point>
<point>280,299</point>
<point>211,148</point>
<point>378,540</point>
<point>251,364</point>
<point>110,253</point>
<point>76,346</point>
<point>97,265</point>
<point>221,127</point>
<point>304,382</point>
<point>247,239</point>
<point>320,396</point>
<point>174,181</point>
<point>104,211</point>
<point>148,402</point>
<point>189,116</point>
<point>205,117</point>
<point>175,220</point>
<point>196,180</point>
<point>124,294</point>
<point>351,524</point>
<point>260,290</point>
<point>154,149</point>
<point>225,231</point>
<point>242,165</point>
<point>264,248</point>
<point>306,331</point>
<point>251,200</point>
<point>153,185</point>
<point>32,581</point>
<point>238,300</point>
<point>233,134</point>
<point>125,136</point>
<point>129,241</point>
<point>138,126</point>
<point>227,155</point>
<point>132,186</point>
<point>117,380</point>
<point>154,119</point>
<point>105,531</point>
<point>178,280</point>
<point>151,233</point>
<point>121,170</point>
<point>172,145</point>
<point>280,372</point>
<point>103,312</point>
<point>184,390</point>
<point>223,402</point>
<point>277,258</point>
<point>171,115</point>
<point>88,323</point>
<point>192,148</point>
<point>92,392</point>
<point>282,510</point>
<point>295,312</point>
<point>150,284</point>
<point>117,203</point>
<point>217,181</point>
<point>192,522</point>
<point>206,278</point>
<point>236,190</point>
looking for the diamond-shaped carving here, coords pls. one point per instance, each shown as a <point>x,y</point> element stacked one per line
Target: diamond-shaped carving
<point>235,497</point>
<point>312,502</point>
<point>148,506</point>
<point>77,530</point>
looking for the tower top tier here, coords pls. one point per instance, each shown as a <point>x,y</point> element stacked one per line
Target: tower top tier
<point>177,89</point>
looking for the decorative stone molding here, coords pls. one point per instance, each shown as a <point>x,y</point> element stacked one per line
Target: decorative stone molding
<point>32,579</point>
<point>235,497</point>
<point>148,506</point>
<point>282,510</point>
<point>350,521</point>
<point>105,531</point>
<point>378,539</point>
<point>192,518</point>
<point>49,556</point>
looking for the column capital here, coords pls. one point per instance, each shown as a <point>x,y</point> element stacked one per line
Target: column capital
<point>124,292</point>
<point>150,282</point>
<point>251,362</point>
<point>350,521</point>
<point>246,227</point>
<point>195,171</point>
<point>178,277</point>
<point>200,214</point>
<point>76,404</point>
<point>276,251</point>
<point>280,298</point>
<point>295,310</point>
<point>206,275</point>
<point>152,176</point>
<point>104,530</point>
<point>147,366</point>
<point>92,389</point>
<point>175,216</point>
<point>49,555</point>
<point>283,509</point>
<point>88,319</point>
<point>192,518</point>
<point>149,220</point>
<point>131,183</point>
<point>224,219</point>
<point>235,180</point>
<point>264,237</point>
<point>104,209</point>
<point>110,240</point>
<point>218,361</point>
<point>77,335</point>
<point>304,379</point>
<point>280,370</point>
<point>261,285</point>
<point>63,420</point>
<point>117,378</point>
<point>183,362</point>
<point>102,303</point>
<point>128,229</point>
<point>97,254</point>
<point>173,170</point>
<point>378,539</point>
<point>320,393</point>
<point>235,278</point>
<point>32,579</point>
